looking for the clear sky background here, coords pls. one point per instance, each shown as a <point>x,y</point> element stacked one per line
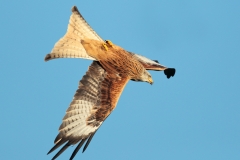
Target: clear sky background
<point>192,116</point>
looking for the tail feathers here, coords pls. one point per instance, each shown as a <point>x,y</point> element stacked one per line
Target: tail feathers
<point>169,72</point>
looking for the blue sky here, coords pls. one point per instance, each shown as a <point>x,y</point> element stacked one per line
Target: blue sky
<point>192,116</point>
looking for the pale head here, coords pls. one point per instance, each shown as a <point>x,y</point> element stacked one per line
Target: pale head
<point>145,77</point>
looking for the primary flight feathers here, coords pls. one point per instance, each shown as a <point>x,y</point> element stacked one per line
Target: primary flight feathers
<point>100,88</point>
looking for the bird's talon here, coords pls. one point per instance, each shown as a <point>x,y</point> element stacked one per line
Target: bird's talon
<point>105,46</point>
<point>109,43</point>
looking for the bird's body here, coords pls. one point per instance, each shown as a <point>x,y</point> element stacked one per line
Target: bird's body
<point>115,59</point>
<point>101,86</point>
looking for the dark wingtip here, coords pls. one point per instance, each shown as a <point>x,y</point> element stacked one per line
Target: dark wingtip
<point>88,141</point>
<point>75,9</point>
<point>57,143</point>
<point>62,150</point>
<point>77,148</point>
<point>169,72</point>
<point>156,61</point>
<point>47,57</point>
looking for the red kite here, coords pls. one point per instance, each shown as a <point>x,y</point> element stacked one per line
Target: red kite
<point>100,88</point>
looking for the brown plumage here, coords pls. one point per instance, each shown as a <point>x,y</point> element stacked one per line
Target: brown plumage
<point>94,100</point>
<point>101,86</point>
<point>115,59</point>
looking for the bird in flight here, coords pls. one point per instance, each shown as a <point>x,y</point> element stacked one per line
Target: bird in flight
<point>100,88</point>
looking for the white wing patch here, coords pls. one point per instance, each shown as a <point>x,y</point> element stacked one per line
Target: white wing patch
<point>148,63</point>
<point>83,29</point>
<point>144,59</point>
<point>75,119</point>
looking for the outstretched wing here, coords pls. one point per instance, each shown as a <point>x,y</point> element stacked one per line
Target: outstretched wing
<point>95,99</point>
<point>148,63</point>
<point>154,65</point>
<point>70,45</point>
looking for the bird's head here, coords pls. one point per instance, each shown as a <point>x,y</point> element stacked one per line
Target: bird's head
<point>146,77</point>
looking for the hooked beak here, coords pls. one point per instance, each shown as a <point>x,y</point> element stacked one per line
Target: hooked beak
<point>150,80</point>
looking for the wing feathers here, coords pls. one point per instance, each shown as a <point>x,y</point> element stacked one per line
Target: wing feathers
<point>95,98</point>
<point>89,32</point>
<point>148,63</point>
<point>154,65</point>
<point>80,104</point>
<point>62,150</point>
<point>88,141</point>
<point>76,114</point>
<point>169,72</point>
<point>59,143</point>
<point>77,148</point>
<point>69,46</point>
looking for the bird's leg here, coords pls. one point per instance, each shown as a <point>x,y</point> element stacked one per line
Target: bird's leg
<point>109,43</point>
<point>105,46</point>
